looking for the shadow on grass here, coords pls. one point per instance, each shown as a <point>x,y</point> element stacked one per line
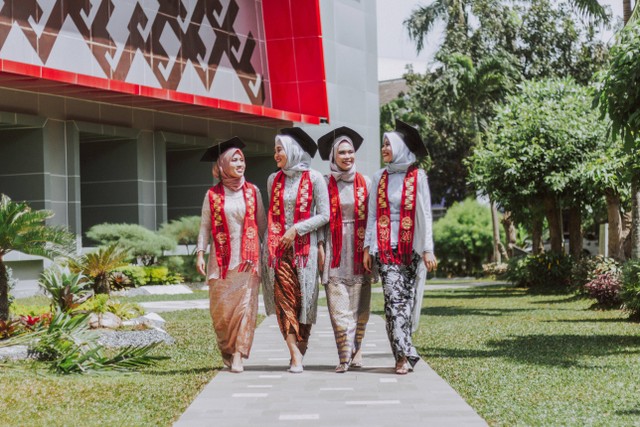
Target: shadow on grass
<point>156,372</point>
<point>563,298</point>
<point>460,311</point>
<point>554,350</point>
<point>473,293</point>
<point>634,411</point>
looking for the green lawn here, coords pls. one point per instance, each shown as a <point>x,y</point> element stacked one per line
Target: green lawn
<point>155,396</point>
<point>519,359</point>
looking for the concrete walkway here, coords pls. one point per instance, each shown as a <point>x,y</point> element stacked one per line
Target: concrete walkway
<point>265,394</point>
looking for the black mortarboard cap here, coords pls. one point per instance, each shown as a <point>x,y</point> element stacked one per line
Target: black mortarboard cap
<point>306,142</point>
<point>411,138</point>
<point>213,152</point>
<point>325,143</point>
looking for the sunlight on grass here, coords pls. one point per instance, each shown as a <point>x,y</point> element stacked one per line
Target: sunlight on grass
<point>519,359</point>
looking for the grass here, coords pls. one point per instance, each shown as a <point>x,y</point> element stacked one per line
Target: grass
<point>156,395</point>
<point>520,359</point>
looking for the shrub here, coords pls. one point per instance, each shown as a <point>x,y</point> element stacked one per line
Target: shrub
<point>158,275</point>
<point>589,268</point>
<point>67,290</point>
<point>136,274</point>
<point>630,292</point>
<point>184,231</point>
<point>102,303</point>
<point>544,272</point>
<point>143,244</point>
<point>605,288</point>
<point>182,265</point>
<point>463,238</point>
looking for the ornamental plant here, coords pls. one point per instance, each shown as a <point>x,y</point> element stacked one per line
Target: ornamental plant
<point>630,292</point>
<point>605,288</point>
<point>544,272</point>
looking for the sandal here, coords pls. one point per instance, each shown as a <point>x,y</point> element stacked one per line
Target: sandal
<point>342,368</point>
<point>402,370</point>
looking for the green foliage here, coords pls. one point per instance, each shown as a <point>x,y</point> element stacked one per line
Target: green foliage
<point>182,265</point>
<point>141,243</point>
<point>98,265</point>
<point>538,145</point>
<point>619,94</point>
<point>67,290</point>
<point>605,288</point>
<point>135,273</point>
<point>587,268</point>
<point>71,348</point>
<point>158,275</point>
<point>545,272</point>
<point>23,229</point>
<point>463,238</point>
<point>103,303</point>
<point>184,231</point>
<point>630,292</point>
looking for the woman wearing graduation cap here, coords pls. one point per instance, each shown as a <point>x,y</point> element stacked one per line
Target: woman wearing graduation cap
<point>347,284</point>
<point>233,218</point>
<point>399,236</point>
<point>298,207</point>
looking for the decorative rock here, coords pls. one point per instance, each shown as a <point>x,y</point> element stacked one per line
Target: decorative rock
<point>115,339</point>
<point>104,320</point>
<point>152,320</point>
<point>14,352</point>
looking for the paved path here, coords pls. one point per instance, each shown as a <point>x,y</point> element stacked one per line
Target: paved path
<point>265,394</point>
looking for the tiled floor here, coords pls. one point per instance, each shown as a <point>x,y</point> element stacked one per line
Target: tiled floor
<point>265,394</point>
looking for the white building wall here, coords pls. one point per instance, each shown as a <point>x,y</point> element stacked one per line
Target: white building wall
<point>351,67</point>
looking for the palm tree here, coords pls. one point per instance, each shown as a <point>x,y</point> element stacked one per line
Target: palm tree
<point>98,265</point>
<point>23,229</point>
<point>455,15</point>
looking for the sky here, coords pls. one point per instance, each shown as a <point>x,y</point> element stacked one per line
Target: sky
<point>395,49</point>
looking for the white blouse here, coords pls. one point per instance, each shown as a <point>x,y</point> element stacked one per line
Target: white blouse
<point>234,210</point>
<point>422,236</point>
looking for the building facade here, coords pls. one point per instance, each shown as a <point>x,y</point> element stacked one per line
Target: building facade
<point>107,105</point>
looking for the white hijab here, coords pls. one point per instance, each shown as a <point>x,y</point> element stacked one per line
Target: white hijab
<point>336,172</point>
<point>402,156</point>
<point>298,160</point>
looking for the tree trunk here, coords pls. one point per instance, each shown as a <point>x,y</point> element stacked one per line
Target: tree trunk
<point>496,233</point>
<point>510,232</point>
<point>101,285</point>
<point>614,219</point>
<point>4,292</point>
<point>536,235</point>
<point>575,232</point>
<point>554,218</point>
<point>626,10</point>
<point>635,217</point>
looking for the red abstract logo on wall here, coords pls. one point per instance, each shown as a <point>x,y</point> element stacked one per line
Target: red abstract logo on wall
<point>210,48</point>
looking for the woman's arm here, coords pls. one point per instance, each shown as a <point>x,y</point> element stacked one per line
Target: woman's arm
<point>203,235</point>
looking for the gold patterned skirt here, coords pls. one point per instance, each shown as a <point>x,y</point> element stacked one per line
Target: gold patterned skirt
<point>233,303</point>
<point>349,312</point>
<point>288,299</point>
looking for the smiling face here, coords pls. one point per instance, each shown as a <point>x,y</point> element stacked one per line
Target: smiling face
<point>387,153</point>
<point>237,165</point>
<point>280,156</point>
<point>345,156</point>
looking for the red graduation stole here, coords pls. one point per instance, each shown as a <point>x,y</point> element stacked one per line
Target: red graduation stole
<point>407,219</point>
<point>277,219</point>
<point>220,230</point>
<point>359,216</point>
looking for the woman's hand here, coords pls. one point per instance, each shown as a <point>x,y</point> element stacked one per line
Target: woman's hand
<point>200,263</point>
<point>321,257</point>
<point>430,261</point>
<point>289,236</point>
<point>366,260</point>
